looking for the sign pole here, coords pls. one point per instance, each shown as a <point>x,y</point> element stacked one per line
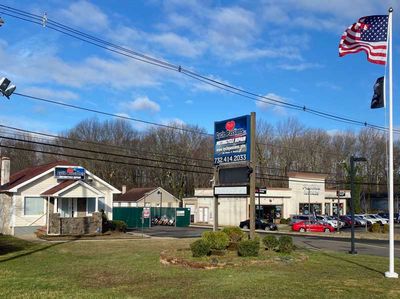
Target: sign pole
<point>252,174</point>
<point>215,206</point>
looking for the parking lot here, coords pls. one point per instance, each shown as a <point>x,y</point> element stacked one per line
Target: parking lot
<point>312,242</point>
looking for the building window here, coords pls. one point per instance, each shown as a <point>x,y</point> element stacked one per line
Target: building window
<point>101,204</point>
<point>91,205</point>
<point>315,208</point>
<point>33,206</point>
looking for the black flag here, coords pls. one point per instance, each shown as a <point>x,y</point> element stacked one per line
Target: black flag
<point>378,100</point>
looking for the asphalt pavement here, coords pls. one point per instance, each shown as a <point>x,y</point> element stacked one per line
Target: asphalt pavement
<point>312,242</point>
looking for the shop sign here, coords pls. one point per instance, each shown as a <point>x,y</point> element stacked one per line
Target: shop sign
<point>69,173</point>
<point>231,190</point>
<point>232,140</point>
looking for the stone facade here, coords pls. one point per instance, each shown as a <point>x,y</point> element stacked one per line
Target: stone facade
<point>75,226</point>
<point>5,214</point>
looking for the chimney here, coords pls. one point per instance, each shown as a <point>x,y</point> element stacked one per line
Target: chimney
<point>123,189</point>
<point>5,170</point>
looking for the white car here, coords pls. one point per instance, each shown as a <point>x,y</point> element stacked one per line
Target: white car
<point>327,219</point>
<point>378,218</point>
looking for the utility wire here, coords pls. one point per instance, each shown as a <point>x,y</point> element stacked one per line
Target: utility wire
<point>148,59</point>
<point>127,149</point>
<point>102,153</point>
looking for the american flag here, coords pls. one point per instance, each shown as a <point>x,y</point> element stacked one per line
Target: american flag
<point>369,34</point>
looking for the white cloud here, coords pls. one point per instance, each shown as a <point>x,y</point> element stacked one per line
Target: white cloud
<point>266,104</point>
<point>143,103</point>
<point>189,102</point>
<point>85,15</point>
<point>56,94</point>
<point>299,66</point>
<point>329,85</point>
<point>178,44</point>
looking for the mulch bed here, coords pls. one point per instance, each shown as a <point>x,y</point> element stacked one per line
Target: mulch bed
<point>184,258</point>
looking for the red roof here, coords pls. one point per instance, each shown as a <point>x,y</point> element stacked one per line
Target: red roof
<point>29,173</point>
<point>134,194</point>
<point>59,187</point>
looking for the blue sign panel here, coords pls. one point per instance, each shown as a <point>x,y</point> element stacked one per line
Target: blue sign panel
<point>69,173</point>
<point>232,140</point>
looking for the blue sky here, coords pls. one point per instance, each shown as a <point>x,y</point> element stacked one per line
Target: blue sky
<point>287,50</point>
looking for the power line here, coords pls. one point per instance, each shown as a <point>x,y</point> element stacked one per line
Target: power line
<point>103,160</point>
<point>148,59</point>
<point>102,153</point>
<point>104,144</point>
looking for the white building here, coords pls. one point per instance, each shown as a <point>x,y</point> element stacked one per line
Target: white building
<point>304,189</point>
<point>60,189</point>
<point>149,197</point>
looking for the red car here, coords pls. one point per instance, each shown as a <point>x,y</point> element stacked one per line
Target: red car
<point>312,226</point>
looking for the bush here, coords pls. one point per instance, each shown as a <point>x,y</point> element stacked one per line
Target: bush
<point>270,242</point>
<point>234,233</point>
<point>200,248</point>
<point>249,247</point>
<point>375,228</point>
<point>385,228</point>
<point>285,220</point>
<point>118,225</point>
<point>286,244</point>
<point>217,240</point>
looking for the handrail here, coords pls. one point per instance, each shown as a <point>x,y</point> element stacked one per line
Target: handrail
<point>37,219</point>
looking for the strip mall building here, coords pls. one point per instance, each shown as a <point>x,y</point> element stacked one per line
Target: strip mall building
<point>303,189</point>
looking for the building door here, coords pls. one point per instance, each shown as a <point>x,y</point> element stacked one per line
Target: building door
<point>203,215</point>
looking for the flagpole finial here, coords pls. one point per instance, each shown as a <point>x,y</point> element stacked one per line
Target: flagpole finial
<point>390,9</point>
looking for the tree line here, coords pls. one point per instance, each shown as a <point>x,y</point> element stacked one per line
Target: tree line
<point>180,157</point>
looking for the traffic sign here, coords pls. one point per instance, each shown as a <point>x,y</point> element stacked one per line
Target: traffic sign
<point>262,190</point>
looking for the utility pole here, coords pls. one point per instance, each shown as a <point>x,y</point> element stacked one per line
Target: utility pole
<point>252,174</point>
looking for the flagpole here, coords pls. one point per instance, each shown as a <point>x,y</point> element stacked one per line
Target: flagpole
<point>391,273</point>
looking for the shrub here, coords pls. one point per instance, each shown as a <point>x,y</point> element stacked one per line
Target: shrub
<point>375,228</point>
<point>270,242</point>
<point>285,220</point>
<point>385,228</point>
<point>286,244</point>
<point>118,225</point>
<point>200,248</point>
<point>234,233</point>
<point>249,247</point>
<point>217,240</point>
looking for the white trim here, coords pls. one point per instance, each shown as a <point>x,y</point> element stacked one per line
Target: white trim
<point>82,183</point>
<point>113,189</point>
<point>15,189</point>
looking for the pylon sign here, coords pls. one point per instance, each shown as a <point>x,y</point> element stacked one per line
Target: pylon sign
<point>232,140</point>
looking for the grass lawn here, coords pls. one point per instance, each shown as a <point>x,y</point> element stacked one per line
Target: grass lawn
<point>131,268</point>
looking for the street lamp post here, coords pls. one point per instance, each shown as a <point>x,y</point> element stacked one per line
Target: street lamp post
<point>352,161</point>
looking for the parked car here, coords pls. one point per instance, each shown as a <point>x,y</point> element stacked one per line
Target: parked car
<point>347,220</point>
<point>386,216</point>
<point>334,222</point>
<point>378,218</point>
<point>260,224</point>
<point>298,218</point>
<point>312,226</point>
<point>360,221</point>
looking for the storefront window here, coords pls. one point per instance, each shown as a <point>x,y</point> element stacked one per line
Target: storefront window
<point>33,206</point>
<point>315,208</point>
<point>327,208</point>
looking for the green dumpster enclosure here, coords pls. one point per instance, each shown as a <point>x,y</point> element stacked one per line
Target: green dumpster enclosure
<point>132,216</point>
